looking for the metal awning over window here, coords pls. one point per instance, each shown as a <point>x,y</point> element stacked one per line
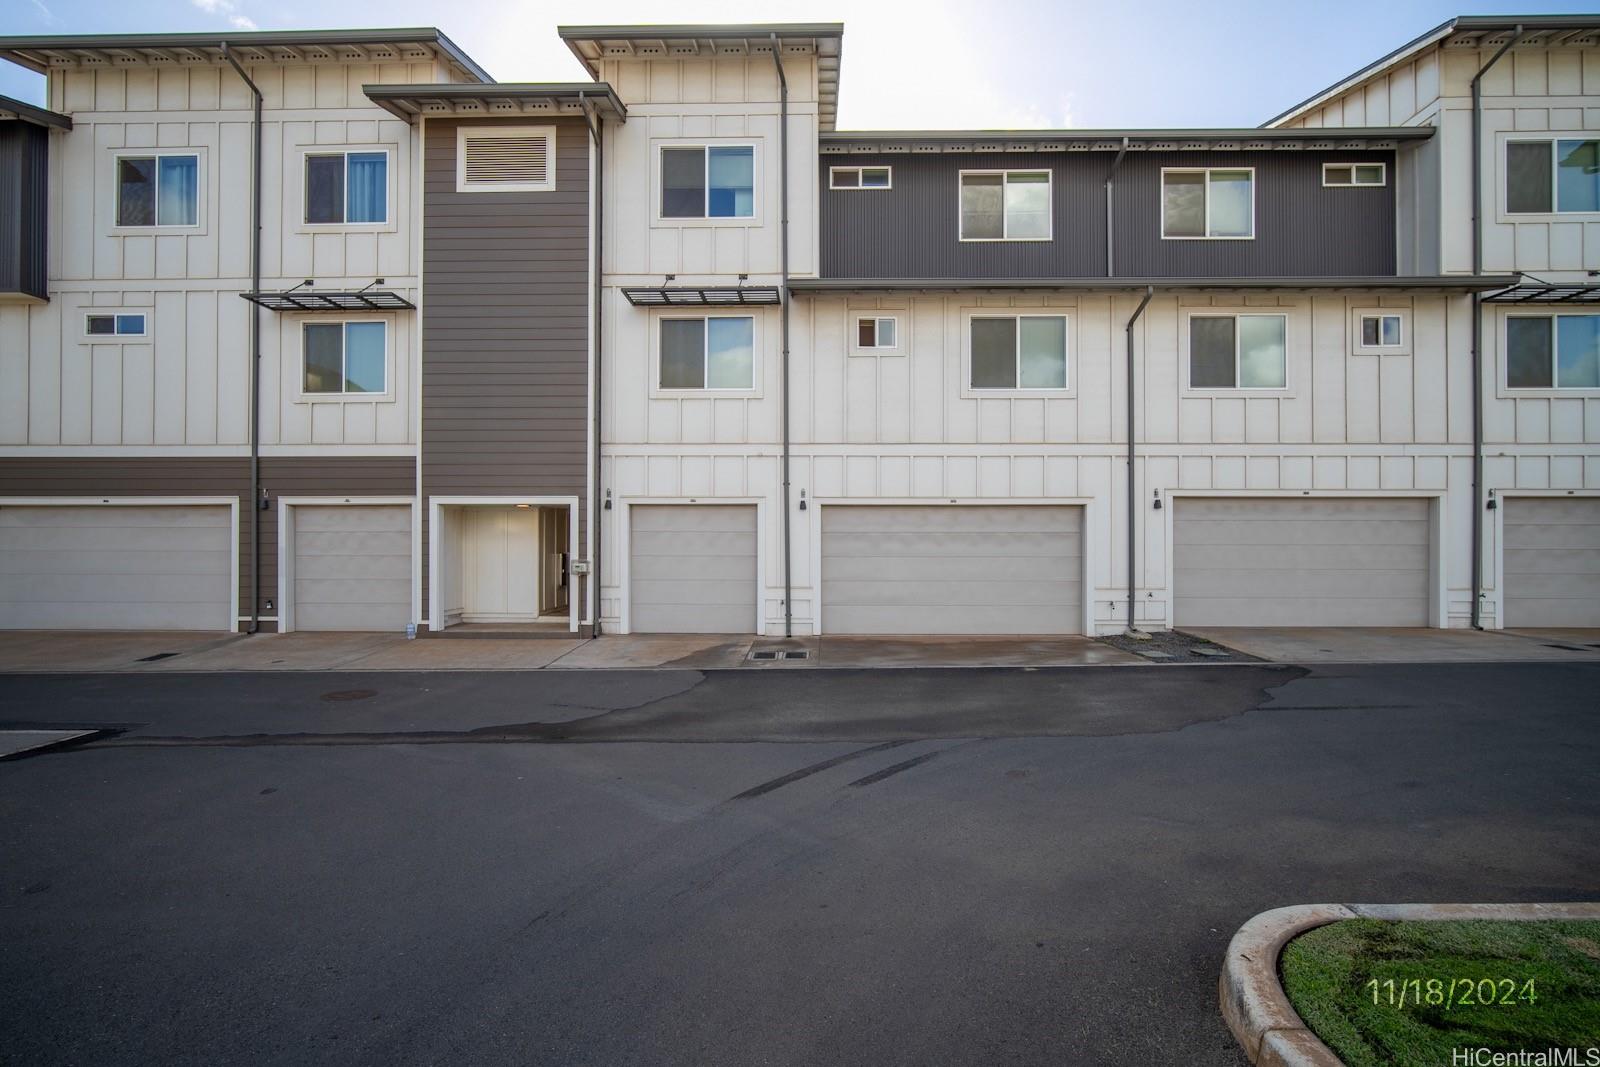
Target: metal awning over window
<point>307,300</point>
<point>1546,294</point>
<point>707,296</point>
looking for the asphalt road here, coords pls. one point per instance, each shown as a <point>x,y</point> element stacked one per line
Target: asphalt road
<point>751,867</point>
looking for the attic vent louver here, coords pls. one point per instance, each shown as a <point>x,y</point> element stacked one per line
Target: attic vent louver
<point>507,159</point>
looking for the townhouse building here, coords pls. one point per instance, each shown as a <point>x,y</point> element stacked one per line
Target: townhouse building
<point>667,352</point>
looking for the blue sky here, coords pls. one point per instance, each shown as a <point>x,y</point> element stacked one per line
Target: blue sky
<point>934,64</point>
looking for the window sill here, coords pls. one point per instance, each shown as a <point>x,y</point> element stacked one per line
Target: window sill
<point>1364,351</point>
<point>196,230</point>
<point>1190,393</point>
<point>704,223</point>
<point>1247,237</point>
<point>1004,240</point>
<point>310,228</point>
<point>1585,392</point>
<point>344,398</point>
<point>973,393</point>
<point>659,393</point>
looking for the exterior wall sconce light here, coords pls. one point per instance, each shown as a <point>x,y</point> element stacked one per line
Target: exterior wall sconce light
<point>802,500</point>
<point>608,500</point>
<point>1156,499</point>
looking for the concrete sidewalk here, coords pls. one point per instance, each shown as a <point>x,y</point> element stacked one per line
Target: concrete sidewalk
<point>1319,644</point>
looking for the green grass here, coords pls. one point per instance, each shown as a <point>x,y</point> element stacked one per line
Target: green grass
<point>1327,972</point>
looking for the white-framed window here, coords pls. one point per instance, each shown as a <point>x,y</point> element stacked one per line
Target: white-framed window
<point>347,187</point>
<point>1379,331</point>
<point>110,326</point>
<point>1552,175</point>
<point>505,159</point>
<point>158,189</point>
<point>707,352</point>
<point>1005,205</point>
<point>1238,351</point>
<point>1552,351</point>
<point>1342,175</point>
<point>708,181</point>
<point>860,178</point>
<point>877,333</point>
<point>1016,351</point>
<point>1208,203</point>
<point>345,358</point>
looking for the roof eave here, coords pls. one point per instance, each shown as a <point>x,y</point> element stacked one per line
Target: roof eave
<point>393,98</point>
<point>22,111</point>
<point>1455,282</point>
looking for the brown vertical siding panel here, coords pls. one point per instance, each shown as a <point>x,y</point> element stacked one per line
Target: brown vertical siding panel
<point>505,329</point>
<point>220,476</point>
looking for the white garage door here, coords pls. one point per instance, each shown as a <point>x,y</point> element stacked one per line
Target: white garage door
<point>952,570</point>
<point>1552,561</point>
<point>692,569</point>
<point>352,567</point>
<point>1301,562</point>
<point>116,568</point>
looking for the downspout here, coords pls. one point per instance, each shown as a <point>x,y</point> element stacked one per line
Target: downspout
<point>597,132</point>
<point>1133,496</point>
<point>1111,241</point>
<point>1477,332</point>
<point>255,347</point>
<point>783,196</point>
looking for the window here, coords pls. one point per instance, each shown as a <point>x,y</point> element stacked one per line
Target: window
<point>1208,204</point>
<point>1342,174</point>
<point>858,177</point>
<point>1237,351</point>
<point>1380,331</point>
<point>114,325</point>
<point>159,190</point>
<point>716,352</point>
<point>1019,352</point>
<point>1006,205</point>
<point>346,357</point>
<point>505,159</point>
<point>877,332</point>
<point>1552,175</point>
<point>347,187</point>
<point>1553,351</point>
<point>716,182</point>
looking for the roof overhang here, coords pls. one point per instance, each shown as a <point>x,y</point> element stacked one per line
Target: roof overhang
<point>702,295</point>
<point>1465,283</point>
<point>98,51</point>
<point>19,111</point>
<point>823,41</point>
<point>1543,295</point>
<point>1464,32</point>
<point>1363,139</point>
<point>331,300</point>
<point>501,100</point>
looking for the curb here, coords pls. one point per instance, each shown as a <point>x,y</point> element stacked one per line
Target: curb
<point>1254,1004</point>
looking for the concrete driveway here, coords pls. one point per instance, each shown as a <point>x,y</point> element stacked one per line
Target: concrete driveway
<point>1329,644</point>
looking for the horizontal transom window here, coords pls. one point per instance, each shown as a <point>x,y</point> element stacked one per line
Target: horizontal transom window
<point>1208,203</point>
<point>1553,351</point>
<point>346,357</point>
<point>1011,205</point>
<point>347,187</point>
<point>714,352</point>
<point>161,190</point>
<point>1018,352</point>
<point>708,182</point>
<point>875,332</point>
<point>117,325</point>
<point>859,177</point>
<point>1552,175</point>
<point>1381,331</point>
<point>1238,351</point>
<point>1354,174</point>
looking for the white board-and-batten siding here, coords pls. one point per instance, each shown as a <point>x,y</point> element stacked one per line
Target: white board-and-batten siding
<point>186,383</point>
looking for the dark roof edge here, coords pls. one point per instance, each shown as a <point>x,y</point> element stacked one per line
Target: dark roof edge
<point>510,90</point>
<point>1465,282</point>
<point>1439,32</point>
<point>26,112</point>
<point>668,31</point>
<point>265,38</point>
<point>1410,133</point>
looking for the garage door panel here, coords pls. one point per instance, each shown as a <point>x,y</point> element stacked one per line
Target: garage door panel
<point>116,567</point>
<point>692,568</point>
<point>352,567</point>
<point>1551,562</point>
<point>932,569</point>
<point>1257,561</point>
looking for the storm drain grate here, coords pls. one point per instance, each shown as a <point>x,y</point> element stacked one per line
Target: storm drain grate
<point>158,655</point>
<point>780,653</point>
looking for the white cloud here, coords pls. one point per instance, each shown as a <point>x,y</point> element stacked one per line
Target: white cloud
<point>241,22</point>
<point>228,9</point>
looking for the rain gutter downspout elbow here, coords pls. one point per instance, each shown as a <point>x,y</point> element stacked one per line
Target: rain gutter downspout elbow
<point>1478,503</point>
<point>255,345</point>
<point>783,238</point>
<point>1133,496</point>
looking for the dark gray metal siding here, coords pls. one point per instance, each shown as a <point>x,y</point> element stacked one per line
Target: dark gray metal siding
<point>228,476</point>
<point>24,218</point>
<point>911,230</point>
<point>505,364</point>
